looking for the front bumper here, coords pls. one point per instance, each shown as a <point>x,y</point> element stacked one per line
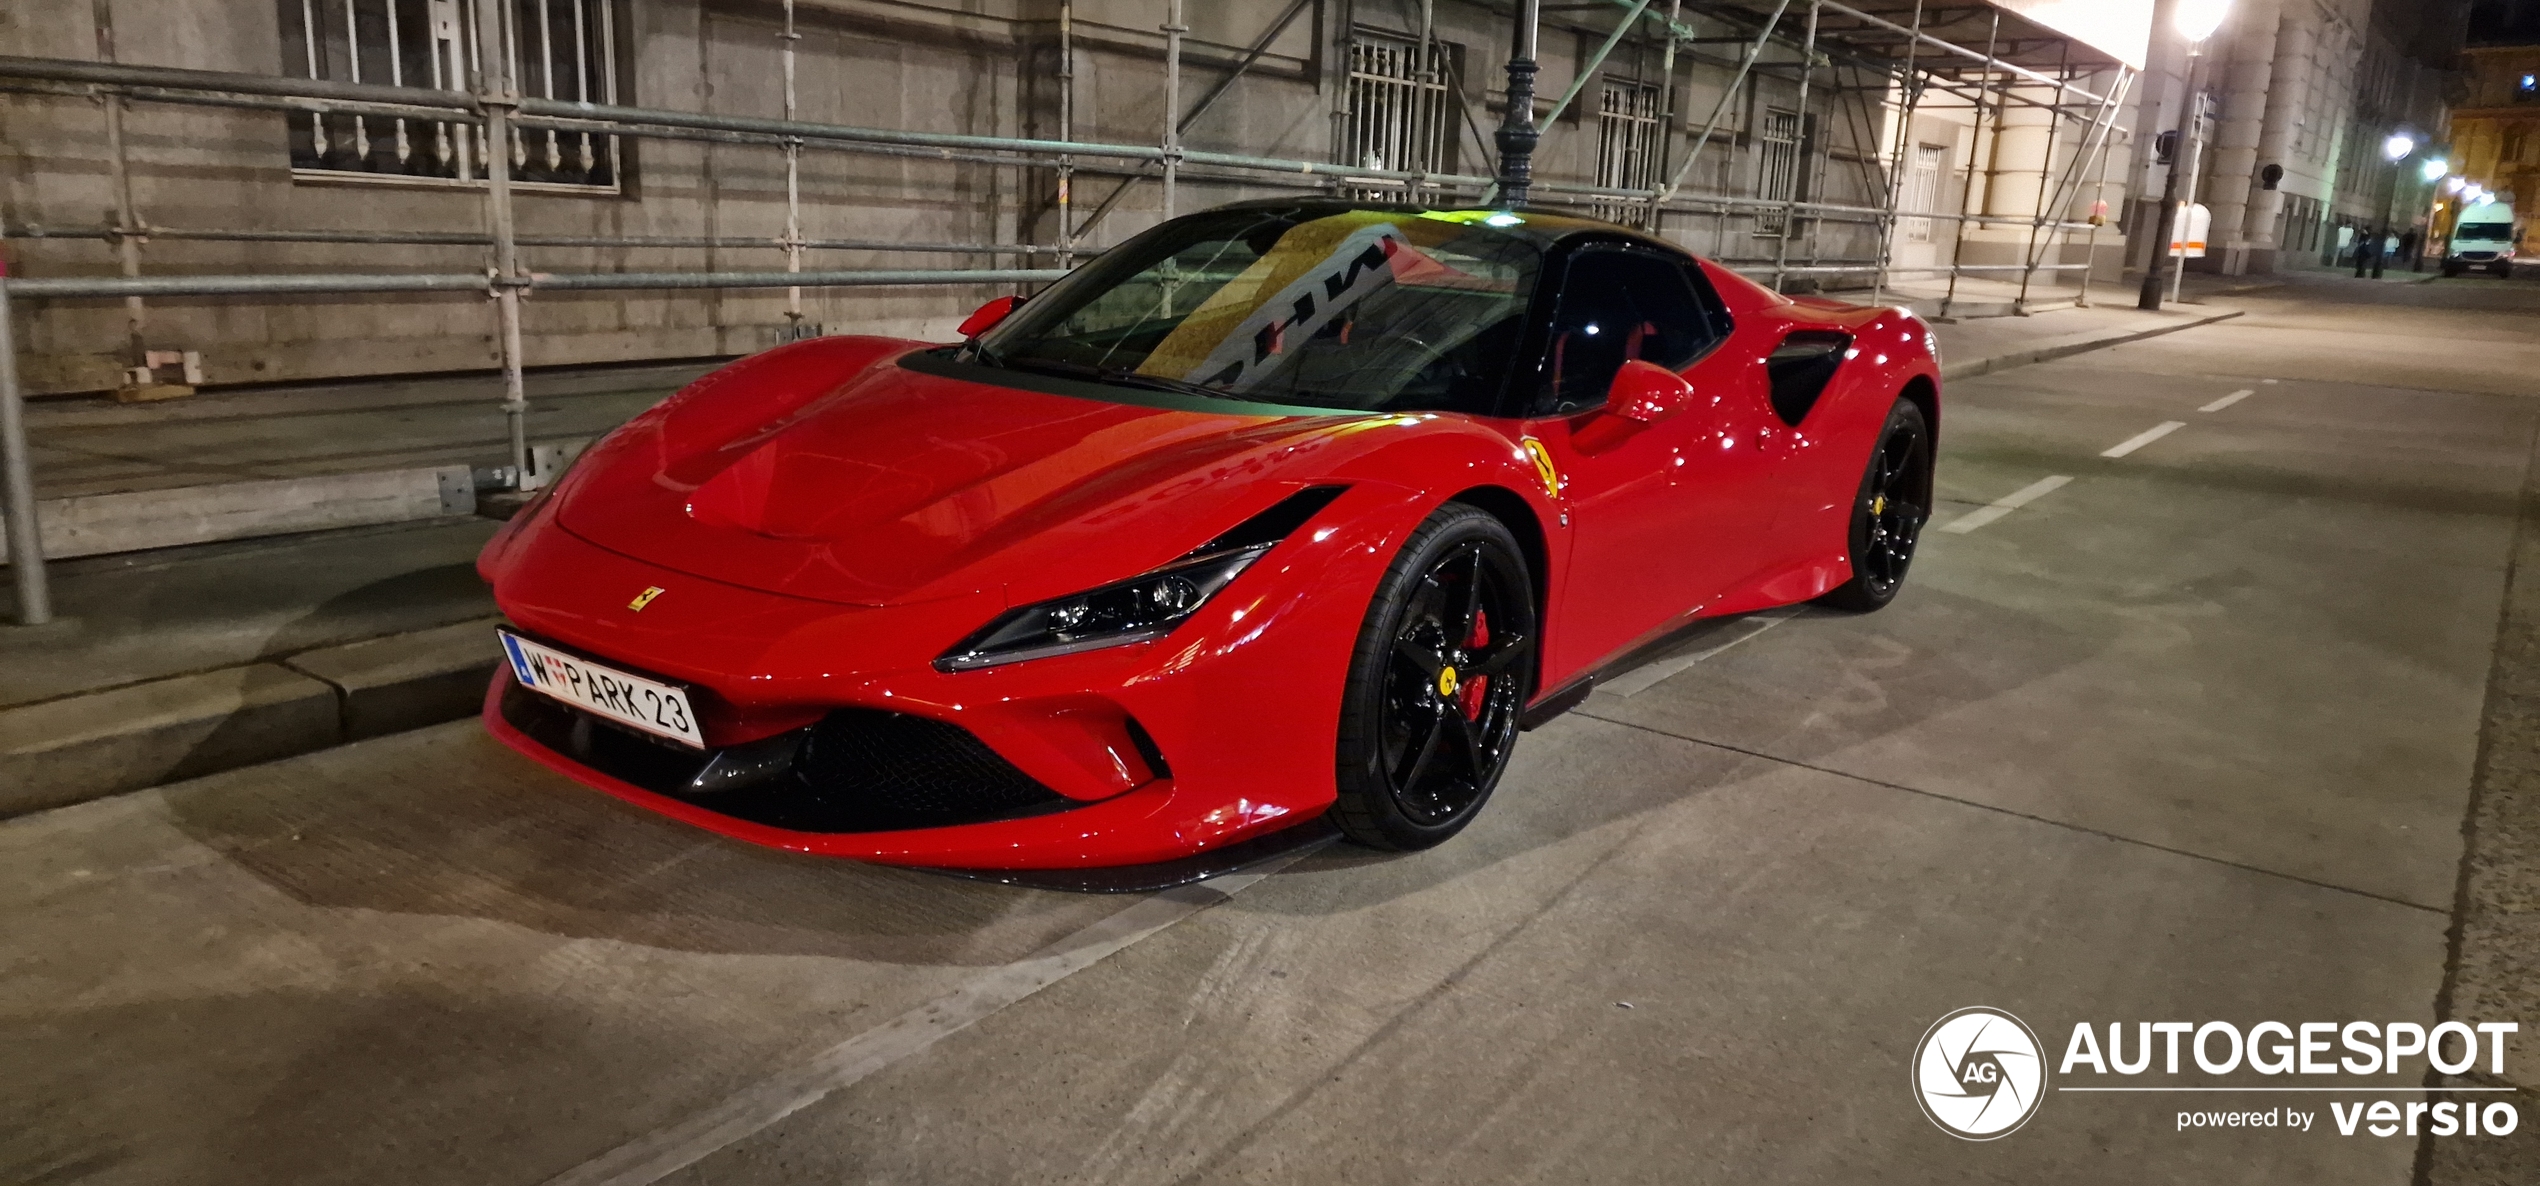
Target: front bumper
<point>1152,752</point>
<point>1143,827</point>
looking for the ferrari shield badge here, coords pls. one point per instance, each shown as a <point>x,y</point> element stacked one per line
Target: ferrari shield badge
<point>644,598</point>
<point>1544,468</point>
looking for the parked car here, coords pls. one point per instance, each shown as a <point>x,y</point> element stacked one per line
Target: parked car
<point>1283,511</point>
<point>2482,237</point>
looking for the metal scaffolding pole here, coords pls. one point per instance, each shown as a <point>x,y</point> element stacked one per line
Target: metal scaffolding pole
<point>1666,102</point>
<point>2094,142</point>
<point>1976,144</point>
<point>1066,129</point>
<point>1790,209</point>
<point>2099,188</point>
<point>498,94</point>
<point>2045,169</point>
<point>467,239</point>
<point>793,184</point>
<point>1595,61</point>
<point>1260,46</point>
<point>1423,102</point>
<point>1746,66</point>
<point>17,481</point>
<point>1173,30</point>
<point>315,283</point>
<point>128,229</point>
<point>1896,167</point>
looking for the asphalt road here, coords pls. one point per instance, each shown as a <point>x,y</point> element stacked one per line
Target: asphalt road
<point>2187,736</point>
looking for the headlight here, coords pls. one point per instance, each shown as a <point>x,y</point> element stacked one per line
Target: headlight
<point>1134,610</point>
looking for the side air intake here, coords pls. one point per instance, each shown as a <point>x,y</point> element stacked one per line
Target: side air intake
<point>1801,367</point>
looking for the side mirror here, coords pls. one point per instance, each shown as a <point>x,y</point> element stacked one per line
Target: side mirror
<point>987,316</point>
<point>1646,392</point>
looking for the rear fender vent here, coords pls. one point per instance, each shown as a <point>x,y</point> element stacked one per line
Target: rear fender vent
<point>1801,367</point>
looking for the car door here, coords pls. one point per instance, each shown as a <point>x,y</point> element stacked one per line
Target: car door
<point>1662,512</point>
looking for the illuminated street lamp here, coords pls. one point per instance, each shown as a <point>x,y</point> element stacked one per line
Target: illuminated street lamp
<point>2434,169</point>
<point>2196,21</point>
<point>2394,149</point>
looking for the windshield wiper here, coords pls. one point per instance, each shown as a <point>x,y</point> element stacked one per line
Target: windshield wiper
<point>1111,375</point>
<point>1161,383</point>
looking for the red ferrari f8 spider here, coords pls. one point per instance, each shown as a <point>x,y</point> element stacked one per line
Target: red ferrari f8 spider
<point>1284,511</point>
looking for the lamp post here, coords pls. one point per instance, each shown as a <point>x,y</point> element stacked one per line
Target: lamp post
<point>2394,149</point>
<point>2196,21</point>
<point>1517,134</point>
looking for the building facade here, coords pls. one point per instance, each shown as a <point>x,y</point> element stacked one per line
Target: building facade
<point>2496,132</point>
<point>1810,130</point>
<point>2301,99</point>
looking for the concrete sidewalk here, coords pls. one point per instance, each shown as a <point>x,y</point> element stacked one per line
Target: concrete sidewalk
<point>184,661</point>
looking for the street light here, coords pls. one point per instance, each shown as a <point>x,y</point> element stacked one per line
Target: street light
<point>2434,169</point>
<point>2196,21</point>
<point>2394,149</point>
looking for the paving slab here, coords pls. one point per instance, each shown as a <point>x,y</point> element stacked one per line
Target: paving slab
<point>424,958</point>
<point>1654,961</point>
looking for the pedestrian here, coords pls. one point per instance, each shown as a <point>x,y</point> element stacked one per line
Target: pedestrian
<point>2408,244</point>
<point>2367,252</point>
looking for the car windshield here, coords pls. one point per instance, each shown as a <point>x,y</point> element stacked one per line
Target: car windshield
<point>1365,310</point>
<point>2497,231</point>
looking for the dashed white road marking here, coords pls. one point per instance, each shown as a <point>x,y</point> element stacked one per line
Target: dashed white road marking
<point>1642,679</point>
<point>2228,400</point>
<point>2145,437</point>
<point>2006,504</point>
<point>666,1151</point>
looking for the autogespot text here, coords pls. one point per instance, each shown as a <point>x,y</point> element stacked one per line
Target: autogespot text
<point>2321,1056</point>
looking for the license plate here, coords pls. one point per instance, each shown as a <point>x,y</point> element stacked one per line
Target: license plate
<point>631,700</point>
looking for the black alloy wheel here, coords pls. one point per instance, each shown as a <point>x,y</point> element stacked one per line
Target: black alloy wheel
<point>1888,514</point>
<point>1441,672</point>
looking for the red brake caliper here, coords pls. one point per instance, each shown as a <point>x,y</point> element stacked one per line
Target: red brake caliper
<point>1478,686</point>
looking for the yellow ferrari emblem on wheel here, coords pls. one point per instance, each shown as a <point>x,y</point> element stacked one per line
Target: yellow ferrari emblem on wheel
<point>644,598</point>
<point>1878,505</point>
<point>1446,682</point>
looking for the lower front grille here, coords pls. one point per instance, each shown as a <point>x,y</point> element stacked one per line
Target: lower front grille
<point>857,770</point>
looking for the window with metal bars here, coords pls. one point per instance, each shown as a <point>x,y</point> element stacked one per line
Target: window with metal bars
<point>1922,192</point>
<point>562,49</point>
<point>1401,111</point>
<point>1629,146</point>
<point>1777,167</point>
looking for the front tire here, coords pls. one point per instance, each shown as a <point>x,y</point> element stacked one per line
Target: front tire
<point>1888,512</point>
<point>1442,668</point>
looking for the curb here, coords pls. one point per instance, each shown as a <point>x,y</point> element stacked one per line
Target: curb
<point>2078,344</point>
<point>94,744</point>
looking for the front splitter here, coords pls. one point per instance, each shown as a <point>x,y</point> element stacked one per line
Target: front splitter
<point>1162,875</point>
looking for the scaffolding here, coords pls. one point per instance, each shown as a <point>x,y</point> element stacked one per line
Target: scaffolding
<point>1841,51</point>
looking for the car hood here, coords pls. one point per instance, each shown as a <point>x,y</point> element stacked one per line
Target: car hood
<point>844,477</point>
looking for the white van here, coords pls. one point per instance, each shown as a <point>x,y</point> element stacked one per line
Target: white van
<point>2482,237</point>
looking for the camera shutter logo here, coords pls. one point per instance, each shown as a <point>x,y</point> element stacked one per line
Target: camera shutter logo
<point>1979,1074</point>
